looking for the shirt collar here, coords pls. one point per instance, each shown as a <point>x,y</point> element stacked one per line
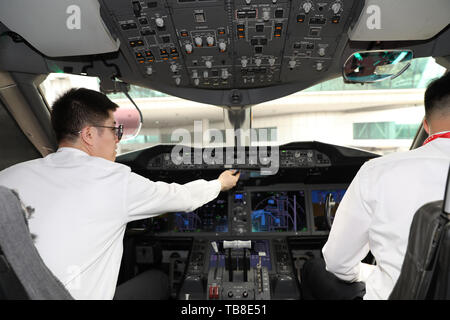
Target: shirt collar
<point>72,150</point>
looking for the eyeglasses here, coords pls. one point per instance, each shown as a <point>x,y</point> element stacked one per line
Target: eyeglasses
<point>117,130</point>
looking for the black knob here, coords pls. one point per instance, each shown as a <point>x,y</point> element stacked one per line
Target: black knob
<point>245,294</point>
<point>230,294</point>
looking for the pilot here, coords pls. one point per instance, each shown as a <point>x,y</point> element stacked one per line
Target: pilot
<point>83,200</point>
<point>377,211</point>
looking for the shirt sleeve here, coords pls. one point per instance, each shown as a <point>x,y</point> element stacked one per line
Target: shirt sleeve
<point>146,198</point>
<point>348,242</point>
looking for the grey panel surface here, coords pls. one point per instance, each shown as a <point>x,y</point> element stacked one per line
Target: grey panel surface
<point>14,146</point>
<point>387,20</point>
<point>59,28</point>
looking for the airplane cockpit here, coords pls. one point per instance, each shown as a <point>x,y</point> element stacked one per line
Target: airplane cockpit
<point>251,242</point>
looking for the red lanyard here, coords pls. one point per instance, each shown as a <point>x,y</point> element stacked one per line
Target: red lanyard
<point>435,136</point>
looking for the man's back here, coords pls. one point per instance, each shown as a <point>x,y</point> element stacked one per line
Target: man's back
<point>82,205</point>
<point>379,207</point>
<point>79,216</point>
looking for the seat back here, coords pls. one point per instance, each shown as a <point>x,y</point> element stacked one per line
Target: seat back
<point>23,274</point>
<point>426,266</point>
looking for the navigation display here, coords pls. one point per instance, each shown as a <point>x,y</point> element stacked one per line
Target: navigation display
<point>211,217</point>
<point>278,211</point>
<point>319,198</point>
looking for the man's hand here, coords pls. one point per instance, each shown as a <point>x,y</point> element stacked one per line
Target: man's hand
<point>228,179</point>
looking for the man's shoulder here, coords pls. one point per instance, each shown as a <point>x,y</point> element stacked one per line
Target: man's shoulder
<point>58,161</point>
<point>21,166</point>
<point>410,156</point>
<point>105,164</point>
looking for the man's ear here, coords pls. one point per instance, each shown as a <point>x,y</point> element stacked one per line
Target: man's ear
<point>426,126</point>
<point>87,135</point>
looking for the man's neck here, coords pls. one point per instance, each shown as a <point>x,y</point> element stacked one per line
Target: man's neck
<point>440,123</point>
<point>439,131</point>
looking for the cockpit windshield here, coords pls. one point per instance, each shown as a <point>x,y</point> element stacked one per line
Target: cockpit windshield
<point>378,117</point>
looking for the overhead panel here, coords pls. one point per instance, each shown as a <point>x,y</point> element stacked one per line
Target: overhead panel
<point>239,44</point>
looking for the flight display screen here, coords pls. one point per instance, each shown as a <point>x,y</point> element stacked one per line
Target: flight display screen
<point>278,211</point>
<point>318,199</point>
<point>211,217</point>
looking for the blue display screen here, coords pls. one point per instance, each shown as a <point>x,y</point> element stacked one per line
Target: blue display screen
<point>281,211</point>
<point>211,217</point>
<point>318,198</point>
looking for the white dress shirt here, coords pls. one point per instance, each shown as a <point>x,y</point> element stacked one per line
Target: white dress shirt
<point>376,213</point>
<point>82,205</point>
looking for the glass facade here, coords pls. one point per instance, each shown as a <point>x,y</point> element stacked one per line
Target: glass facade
<point>384,130</point>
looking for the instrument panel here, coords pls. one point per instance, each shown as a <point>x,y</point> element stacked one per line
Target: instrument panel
<point>252,158</point>
<point>232,45</point>
<point>296,209</point>
<point>299,198</point>
<point>251,242</point>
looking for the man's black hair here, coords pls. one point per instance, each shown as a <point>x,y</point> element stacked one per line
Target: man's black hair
<point>437,96</point>
<point>78,108</point>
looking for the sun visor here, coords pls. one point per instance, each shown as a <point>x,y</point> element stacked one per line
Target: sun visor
<point>401,20</point>
<point>59,28</point>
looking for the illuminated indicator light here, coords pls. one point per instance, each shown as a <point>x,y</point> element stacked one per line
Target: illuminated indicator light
<point>241,14</point>
<point>216,292</point>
